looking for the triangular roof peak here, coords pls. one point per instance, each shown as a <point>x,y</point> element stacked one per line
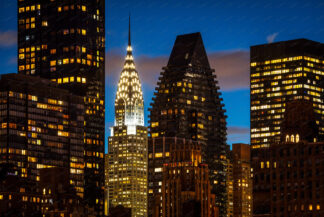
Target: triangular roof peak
<point>189,49</point>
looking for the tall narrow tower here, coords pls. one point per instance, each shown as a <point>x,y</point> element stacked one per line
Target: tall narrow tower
<point>64,41</point>
<point>127,150</point>
<point>187,105</point>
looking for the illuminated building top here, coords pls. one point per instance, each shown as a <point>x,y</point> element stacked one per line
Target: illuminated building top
<point>129,105</point>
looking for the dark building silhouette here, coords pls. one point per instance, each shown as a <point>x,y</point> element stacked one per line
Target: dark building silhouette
<point>59,197</point>
<point>52,196</point>
<point>288,176</point>
<point>120,211</point>
<point>17,194</point>
<point>282,72</point>
<point>41,126</point>
<point>186,181</point>
<point>187,105</point>
<point>64,41</point>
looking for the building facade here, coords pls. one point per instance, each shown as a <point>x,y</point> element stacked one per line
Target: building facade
<point>229,188</point>
<point>288,176</point>
<point>127,149</point>
<point>64,41</point>
<point>41,126</point>
<point>52,196</point>
<point>18,196</point>
<point>288,180</point>
<point>187,105</point>
<point>242,180</point>
<point>186,181</point>
<point>281,72</point>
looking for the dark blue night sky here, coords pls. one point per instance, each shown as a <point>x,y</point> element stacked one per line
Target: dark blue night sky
<point>228,28</point>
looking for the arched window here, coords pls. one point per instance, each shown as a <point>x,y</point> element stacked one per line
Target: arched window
<point>292,138</point>
<point>287,138</point>
<point>297,138</point>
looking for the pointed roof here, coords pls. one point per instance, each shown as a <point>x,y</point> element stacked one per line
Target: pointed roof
<point>129,31</point>
<point>189,49</point>
<point>129,90</point>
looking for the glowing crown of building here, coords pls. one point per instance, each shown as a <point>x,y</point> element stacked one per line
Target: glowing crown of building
<point>129,103</point>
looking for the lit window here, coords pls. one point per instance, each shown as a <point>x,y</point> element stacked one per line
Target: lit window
<point>155,124</point>
<point>157,155</point>
<point>44,23</point>
<point>157,170</point>
<point>53,63</point>
<point>297,138</point>
<point>66,61</point>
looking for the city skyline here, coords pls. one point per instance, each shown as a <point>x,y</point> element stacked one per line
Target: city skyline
<point>220,24</point>
<point>220,112</point>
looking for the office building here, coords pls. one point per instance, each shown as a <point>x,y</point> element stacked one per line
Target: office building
<point>127,149</point>
<point>281,72</point>
<point>187,105</point>
<point>18,196</point>
<point>288,176</point>
<point>41,126</point>
<point>64,41</point>
<point>52,196</point>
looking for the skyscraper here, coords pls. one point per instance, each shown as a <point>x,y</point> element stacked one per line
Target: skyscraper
<point>41,126</point>
<point>127,149</point>
<point>281,72</point>
<point>288,176</point>
<point>64,41</point>
<point>187,105</point>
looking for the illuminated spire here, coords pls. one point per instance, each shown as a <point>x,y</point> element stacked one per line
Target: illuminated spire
<point>129,104</point>
<point>129,32</point>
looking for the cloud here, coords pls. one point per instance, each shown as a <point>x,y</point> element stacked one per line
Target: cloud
<point>238,130</point>
<point>238,134</point>
<point>8,38</point>
<point>272,37</point>
<point>231,68</point>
